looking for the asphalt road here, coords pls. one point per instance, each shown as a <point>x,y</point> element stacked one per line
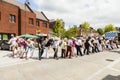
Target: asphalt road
<point>99,66</point>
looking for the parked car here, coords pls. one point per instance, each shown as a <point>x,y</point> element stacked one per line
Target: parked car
<point>4,45</point>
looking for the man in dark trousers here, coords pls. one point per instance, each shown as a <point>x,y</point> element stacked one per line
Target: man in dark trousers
<point>78,47</point>
<point>40,47</point>
<point>87,45</point>
<point>55,48</point>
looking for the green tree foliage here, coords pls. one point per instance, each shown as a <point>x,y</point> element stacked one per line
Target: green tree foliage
<point>72,32</point>
<point>58,29</point>
<point>100,31</point>
<point>109,28</point>
<point>63,33</point>
<point>85,27</point>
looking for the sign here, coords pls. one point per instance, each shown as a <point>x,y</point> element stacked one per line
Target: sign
<point>38,31</point>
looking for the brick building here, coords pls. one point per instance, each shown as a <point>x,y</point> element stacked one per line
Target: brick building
<point>17,18</point>
<point>92,32</point>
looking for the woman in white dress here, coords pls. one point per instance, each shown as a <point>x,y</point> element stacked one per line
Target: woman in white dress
<point>13,43</point>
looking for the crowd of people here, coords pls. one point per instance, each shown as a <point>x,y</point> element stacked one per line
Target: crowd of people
<point>80,46</point>
<point>21,47</point>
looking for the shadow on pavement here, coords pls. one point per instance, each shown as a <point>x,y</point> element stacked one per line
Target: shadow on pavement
<point>116,52</point>
<point>110,77</point>
<point>110,60</point>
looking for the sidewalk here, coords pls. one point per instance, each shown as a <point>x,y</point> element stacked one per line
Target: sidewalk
<point>7,60</point>
<point>100,66</point>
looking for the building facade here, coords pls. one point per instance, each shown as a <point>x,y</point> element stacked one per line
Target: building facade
<point>17,18</point>
<point>91,32</point>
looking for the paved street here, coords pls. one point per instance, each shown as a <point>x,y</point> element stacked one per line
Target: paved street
<point>100,66</point>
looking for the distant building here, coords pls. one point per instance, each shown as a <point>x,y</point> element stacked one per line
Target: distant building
<point>92,32</point>
<point>53,21</point>
<point>17,18</point>
<point>117,28</point>
<point>52,25</point>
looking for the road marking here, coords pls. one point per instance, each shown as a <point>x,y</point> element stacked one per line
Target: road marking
<point>115,69</point>
<point>113,63</point>
<point>106,67</point>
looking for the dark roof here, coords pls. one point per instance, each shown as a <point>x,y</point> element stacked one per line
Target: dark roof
<point>39,15</point>
<point>16,3</point>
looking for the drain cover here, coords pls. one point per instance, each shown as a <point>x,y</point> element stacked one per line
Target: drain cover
<point>110,60</point>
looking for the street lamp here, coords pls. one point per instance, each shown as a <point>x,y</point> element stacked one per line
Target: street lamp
<point>25,17</point>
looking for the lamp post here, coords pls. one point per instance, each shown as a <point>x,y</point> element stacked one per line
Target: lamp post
<point>25,16</point>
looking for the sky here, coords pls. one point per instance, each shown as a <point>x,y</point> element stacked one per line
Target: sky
<point>74,12</point>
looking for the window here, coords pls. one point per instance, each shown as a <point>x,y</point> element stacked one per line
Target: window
<point>31,21</point>
<point>37,23</point>
<point>45,24</point>
<point>5,37</point>
<point>12,18</point>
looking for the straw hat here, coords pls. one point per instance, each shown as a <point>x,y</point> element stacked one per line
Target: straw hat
<point>12,35</point>
<point>65,38</point>
<point>72,37</point>
<point>28,40</point>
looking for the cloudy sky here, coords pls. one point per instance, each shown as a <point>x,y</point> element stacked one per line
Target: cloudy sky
<point>74,12</point>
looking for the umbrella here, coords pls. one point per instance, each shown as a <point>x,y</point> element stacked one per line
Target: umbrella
<point>27,36</point>
<point>41,34</point>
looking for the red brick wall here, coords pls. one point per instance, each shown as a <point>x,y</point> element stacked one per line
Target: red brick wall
<point>22,21</point>
<point>5,25</point>
<point>44,30</point>
<point>25,26</point>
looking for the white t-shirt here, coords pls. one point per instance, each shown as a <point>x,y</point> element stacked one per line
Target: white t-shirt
<point>107,42</point>
<point>70,42</point>
<point>13,42</point>
<point>79,42</point>
<point>55,44</point>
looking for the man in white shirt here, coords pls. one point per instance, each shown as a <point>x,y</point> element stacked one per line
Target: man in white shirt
<point>55,48</point>
<point>97,45</point>
<point>108,44</point>
<point>78,46</point>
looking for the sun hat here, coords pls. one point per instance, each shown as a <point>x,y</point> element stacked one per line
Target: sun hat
<point>28,40</point>
<point>12,35</point>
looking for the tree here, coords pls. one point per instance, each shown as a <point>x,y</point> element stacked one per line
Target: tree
<point>58,28</point>
<point>63,33</point>
<point>85,27</point>
<point>100,31</point>
<point>72,32</point>
<point>109,28</point>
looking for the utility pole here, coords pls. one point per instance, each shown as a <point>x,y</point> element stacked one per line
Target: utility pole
<point>26,3</point>
<point>25,17</point>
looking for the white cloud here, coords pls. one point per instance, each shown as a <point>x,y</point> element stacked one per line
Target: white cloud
<point>97,12</point>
